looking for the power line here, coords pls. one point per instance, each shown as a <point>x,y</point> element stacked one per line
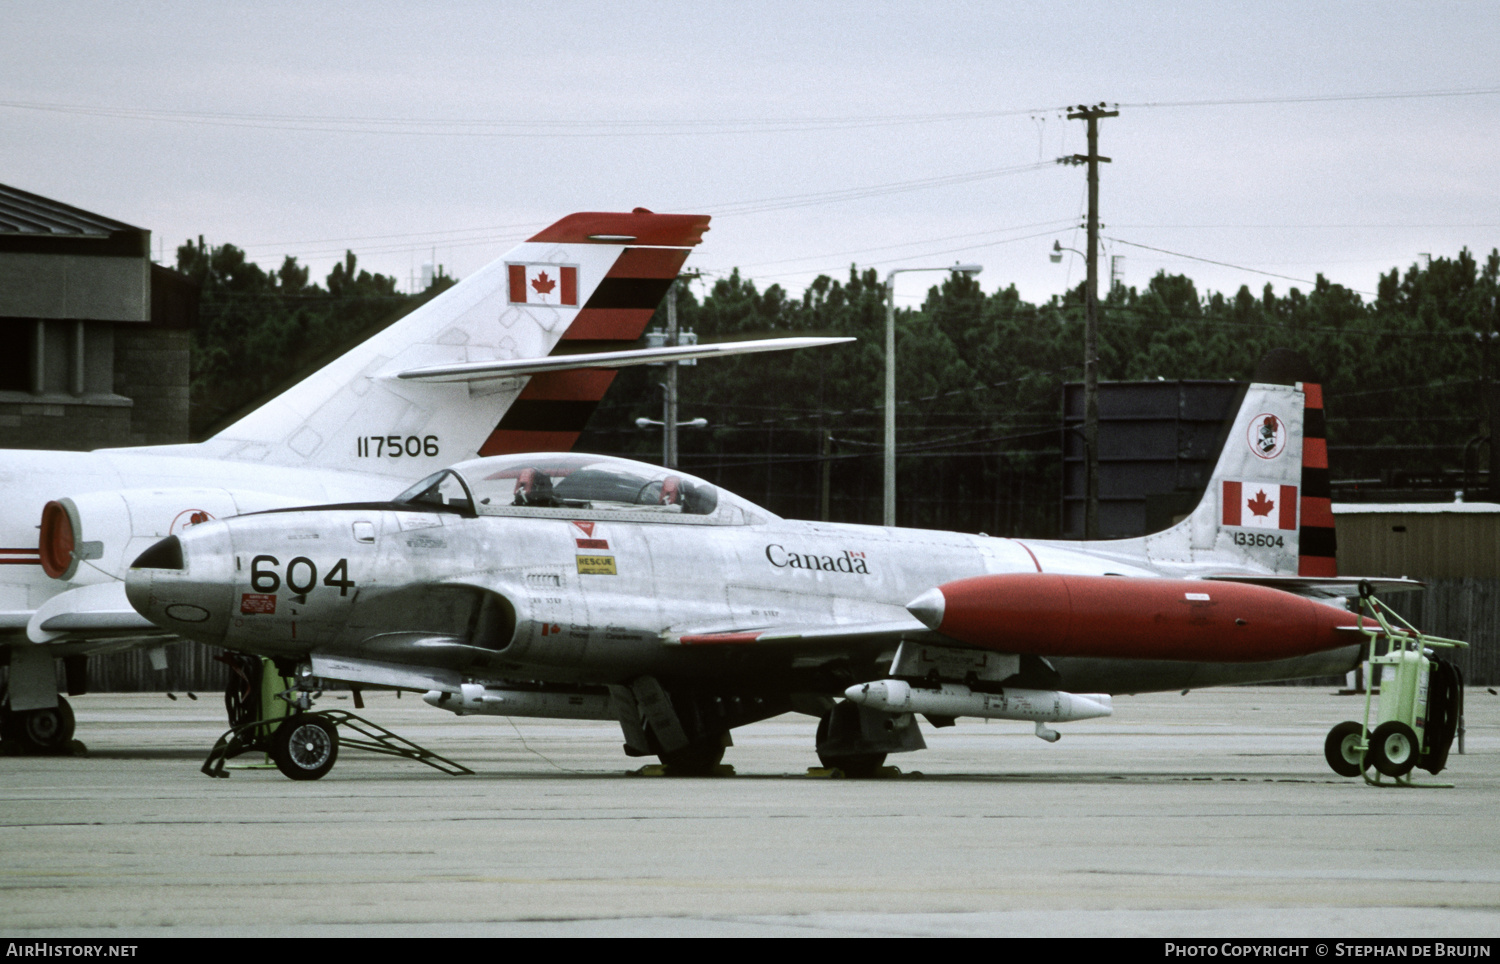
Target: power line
<point>1226,264</point>
<point>531,128</point>
<point>675,127</point>
<point>1321,98</point>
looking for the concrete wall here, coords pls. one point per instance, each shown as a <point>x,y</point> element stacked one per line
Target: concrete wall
<point>55,421</point>
<point>152,368</point>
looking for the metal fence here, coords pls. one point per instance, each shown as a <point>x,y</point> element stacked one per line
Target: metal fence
<point>190,666</point>
<point>1466,609</point>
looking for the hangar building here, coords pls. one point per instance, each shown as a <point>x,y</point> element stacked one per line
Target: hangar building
<point>94,338</point>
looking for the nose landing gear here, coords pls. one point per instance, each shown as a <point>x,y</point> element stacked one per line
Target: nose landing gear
<point>304,743</point>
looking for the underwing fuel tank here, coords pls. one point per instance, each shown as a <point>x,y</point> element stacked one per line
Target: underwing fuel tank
<point>952,699</point>
<point>477,698</point>
<point>1133,618</point>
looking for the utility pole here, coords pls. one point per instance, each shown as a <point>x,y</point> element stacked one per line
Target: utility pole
<point>1091,324</point>
<point>669,414</point>
<point>657,338</point>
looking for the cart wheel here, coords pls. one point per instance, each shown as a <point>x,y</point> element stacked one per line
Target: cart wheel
<point>305,748</point>
<point>1341,749</point>
<point>1393,748</point>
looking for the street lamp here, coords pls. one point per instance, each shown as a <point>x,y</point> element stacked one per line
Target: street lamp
<point>669,457</point>
<point>890,378</point>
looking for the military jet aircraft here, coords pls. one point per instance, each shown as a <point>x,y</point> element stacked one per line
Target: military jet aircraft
<point>570,585</point>
<point>513,358</point>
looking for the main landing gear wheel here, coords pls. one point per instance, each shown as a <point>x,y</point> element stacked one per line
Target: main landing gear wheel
<point>1394,748</point>
<point>1341,749</point>
<point>305,748</point>
<point>46,730</point>
<point>697,759</point>
<point>853,764</point>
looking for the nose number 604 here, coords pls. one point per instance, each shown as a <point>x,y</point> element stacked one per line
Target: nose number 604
<point>301,575</point>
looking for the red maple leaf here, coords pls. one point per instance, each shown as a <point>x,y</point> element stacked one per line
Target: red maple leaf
<point>1260,505</point>
<point>543,284</point>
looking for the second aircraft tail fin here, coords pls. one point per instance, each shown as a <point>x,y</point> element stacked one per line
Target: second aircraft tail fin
<point>1268,505</point>
<point>591,281</point>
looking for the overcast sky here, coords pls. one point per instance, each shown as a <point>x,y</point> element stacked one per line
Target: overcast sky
<point>817,134</point>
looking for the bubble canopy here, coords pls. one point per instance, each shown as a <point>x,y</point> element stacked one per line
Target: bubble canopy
<point>572,484</point>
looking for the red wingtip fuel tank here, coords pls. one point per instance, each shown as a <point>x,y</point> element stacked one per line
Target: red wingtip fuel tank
<point>1133,618</point>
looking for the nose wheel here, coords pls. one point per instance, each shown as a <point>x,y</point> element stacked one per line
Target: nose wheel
<point>305,748</point>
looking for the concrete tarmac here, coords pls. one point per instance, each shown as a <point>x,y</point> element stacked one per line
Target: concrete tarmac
<point>1206,815</point>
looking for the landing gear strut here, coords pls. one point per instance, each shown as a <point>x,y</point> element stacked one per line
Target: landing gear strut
<point>856,739</point>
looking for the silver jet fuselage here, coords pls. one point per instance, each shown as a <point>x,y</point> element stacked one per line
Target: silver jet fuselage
<point>684,582</point>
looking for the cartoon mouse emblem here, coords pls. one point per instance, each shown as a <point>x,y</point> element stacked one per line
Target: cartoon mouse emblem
<point>1267,436</point>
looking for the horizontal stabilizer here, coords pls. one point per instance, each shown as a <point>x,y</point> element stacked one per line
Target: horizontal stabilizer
<point>1329,586</point>
<point>515,367</point>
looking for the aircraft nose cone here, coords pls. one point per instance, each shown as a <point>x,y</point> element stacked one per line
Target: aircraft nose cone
<point>929,608</point>
<point>184,583</point>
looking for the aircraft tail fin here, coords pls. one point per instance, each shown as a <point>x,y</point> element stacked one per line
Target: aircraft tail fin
<point>1268,505</point>
<point>587,283</point>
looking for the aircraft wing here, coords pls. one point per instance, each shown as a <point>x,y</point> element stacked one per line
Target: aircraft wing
<point>1326,586</point>
<point>514,367</point>
<point>93,612</point>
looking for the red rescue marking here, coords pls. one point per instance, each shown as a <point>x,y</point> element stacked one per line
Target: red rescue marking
<point>592,543</point>
<point>258,603</point>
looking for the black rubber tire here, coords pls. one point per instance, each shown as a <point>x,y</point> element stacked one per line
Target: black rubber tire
<point>856,765</point>
<point>696,759</point>
<point>1445,707</point>
<point>1394,748</point>
<point>305,748</point>
<point>1341,748</point>
<point>41,731</point>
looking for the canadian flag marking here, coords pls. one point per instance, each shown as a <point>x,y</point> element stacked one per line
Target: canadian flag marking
<point>1259,505</point>
<point>544,284</point>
